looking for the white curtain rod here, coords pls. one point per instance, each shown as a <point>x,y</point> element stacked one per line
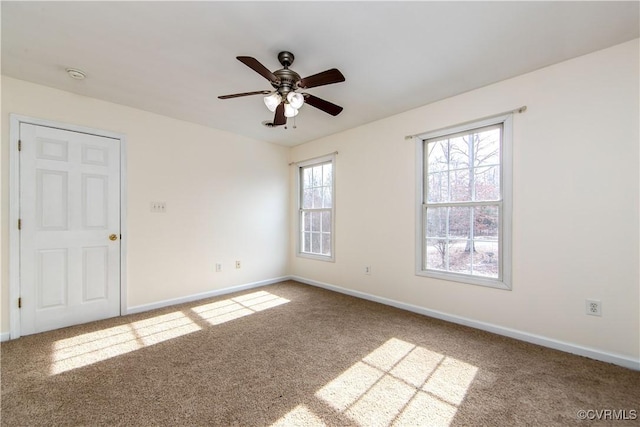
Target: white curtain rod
<point>517,110</point>
<point>313,158</point>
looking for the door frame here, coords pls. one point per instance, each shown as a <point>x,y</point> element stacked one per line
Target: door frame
<point>15,120</point>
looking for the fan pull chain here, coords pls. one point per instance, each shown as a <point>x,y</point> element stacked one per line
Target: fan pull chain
<point>294,124</point>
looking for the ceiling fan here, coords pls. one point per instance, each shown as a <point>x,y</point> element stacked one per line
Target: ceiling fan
<point>286,99</point>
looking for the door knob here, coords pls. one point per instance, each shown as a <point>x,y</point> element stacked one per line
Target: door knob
<point>113,237</point>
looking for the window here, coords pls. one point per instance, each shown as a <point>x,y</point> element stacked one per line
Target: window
<point>465,205</point>
<point>316,207</point>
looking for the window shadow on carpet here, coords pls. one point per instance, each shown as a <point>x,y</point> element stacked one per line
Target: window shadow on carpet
<point>87,349</point>
<point>398,383</point>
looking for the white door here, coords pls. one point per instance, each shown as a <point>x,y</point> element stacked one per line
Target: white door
<point>70,228</point>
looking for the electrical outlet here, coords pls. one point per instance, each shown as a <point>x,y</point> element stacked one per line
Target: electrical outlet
<point>367,270</point>
<point>594,307</point>
<point>218,267</point>
<point>237,264</point>
<point>158,207</point>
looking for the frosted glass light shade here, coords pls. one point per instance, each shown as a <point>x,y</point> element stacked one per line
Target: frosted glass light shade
<point>295,99</point>
<point>289,111</point>
<point>272,101</point>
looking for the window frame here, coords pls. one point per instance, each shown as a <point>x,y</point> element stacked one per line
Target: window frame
<point>299,194</point>
<point>505,228</point>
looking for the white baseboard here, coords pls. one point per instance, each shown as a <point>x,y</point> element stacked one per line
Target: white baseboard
<point>5,336</point>
<point>592,353</point>
<point>203,295</point>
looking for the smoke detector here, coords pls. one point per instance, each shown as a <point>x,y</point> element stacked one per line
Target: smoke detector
<point>76,74</point>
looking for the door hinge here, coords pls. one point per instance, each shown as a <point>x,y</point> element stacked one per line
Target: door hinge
<point>19,224</point>
<point>20,302</point>
<point>19,145</point>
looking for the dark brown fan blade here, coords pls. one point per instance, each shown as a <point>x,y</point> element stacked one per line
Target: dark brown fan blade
<point>236,95</point>
<point>256,66</point>
<point>280,118</point>
<point>323,105</point>
<point>324,78</point>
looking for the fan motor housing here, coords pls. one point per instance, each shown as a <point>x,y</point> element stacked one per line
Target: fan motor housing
<point>289,80</point>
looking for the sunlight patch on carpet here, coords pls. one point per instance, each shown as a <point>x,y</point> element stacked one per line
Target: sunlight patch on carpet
<point>299,416</point>
<point>87,349</point>
<point>226,310</point>
<point>400,383</point>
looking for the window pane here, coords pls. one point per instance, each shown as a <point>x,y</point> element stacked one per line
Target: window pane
<point>460,256</point>
<point>315,221</point>
<point>327,175</point>
<point>306,221</point>
<point>459,152</point>
<point>307,199</point>
<point>437,222</point>
<point>306,177</point>
<point>487,183</point>
<point>460,222</point>
<point>317,176</point>
<point>437,187</point>
<point>486,222</point>
<point>487,148</point>
<point>327,202</point>
<point>459,182</point>
<point>436,254</point>
<point>315,243</point>
<point>326,244</point>
<point>326,222</point>
<point>438,156</point>
<point>317,197</point>
<point>306,242</point>
<point>485,259</point>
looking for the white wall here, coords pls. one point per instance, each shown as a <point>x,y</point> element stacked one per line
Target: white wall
<point>576,193</point>
<point>226,196</point>
<point>575,218</point>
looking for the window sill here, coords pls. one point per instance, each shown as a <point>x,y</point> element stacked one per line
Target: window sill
<point>316,257</point>
<point>463,278</point>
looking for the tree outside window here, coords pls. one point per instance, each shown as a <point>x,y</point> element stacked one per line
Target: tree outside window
<point>316,209</point>
<point>462,208</point>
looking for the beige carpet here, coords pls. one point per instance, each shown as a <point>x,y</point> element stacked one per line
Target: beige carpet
<point>291,354</point>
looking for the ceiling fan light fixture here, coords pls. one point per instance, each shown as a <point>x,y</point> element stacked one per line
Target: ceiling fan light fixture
<point>272,101</point>
<point>285,101</point>
<point>290,111</point>
<point>296,100</point>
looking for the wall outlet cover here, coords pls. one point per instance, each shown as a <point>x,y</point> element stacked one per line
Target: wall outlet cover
<point>593,307</point>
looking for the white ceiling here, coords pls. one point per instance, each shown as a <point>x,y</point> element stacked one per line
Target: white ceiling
<point>175,58</point>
